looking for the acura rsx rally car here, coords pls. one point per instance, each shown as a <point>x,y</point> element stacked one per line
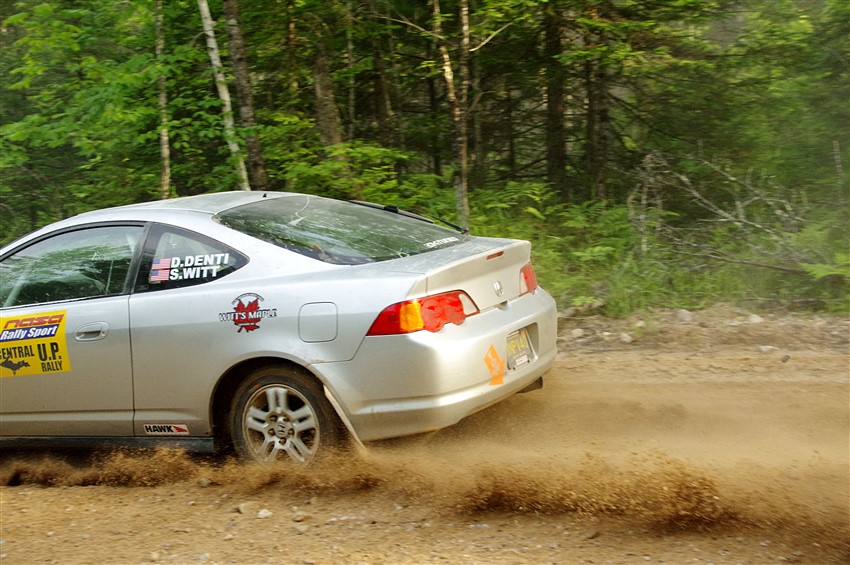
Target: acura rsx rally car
<point>280,324</point>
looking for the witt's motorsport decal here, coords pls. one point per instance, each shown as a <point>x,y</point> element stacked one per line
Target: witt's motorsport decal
<point>246,314</point>
<point>188,267</point>
<point>33,345</point>
<point>166,429</point>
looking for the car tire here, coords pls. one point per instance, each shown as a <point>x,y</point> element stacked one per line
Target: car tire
<point>281,414</point>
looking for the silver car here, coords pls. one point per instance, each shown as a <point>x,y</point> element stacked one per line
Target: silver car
<point>280,324</point>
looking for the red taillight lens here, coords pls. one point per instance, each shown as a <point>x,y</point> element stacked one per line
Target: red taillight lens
<point>428,313</point>
<point>527,280</point>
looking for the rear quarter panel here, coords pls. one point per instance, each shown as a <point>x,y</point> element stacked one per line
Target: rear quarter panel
<point>185,340</point>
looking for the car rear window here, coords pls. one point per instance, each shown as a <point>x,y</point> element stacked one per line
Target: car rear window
<point>333,231</point>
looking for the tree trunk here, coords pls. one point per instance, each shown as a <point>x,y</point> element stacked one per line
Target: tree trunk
<point>463,133</point>
<point>352,76</point>
<point>383,105</point>
<point>478,165</point>
<point>596,132</point>
<point>164,143</point>
<point>245,96</point>
<point>292,57</point>
<point>224,95</point>
<point>598,120</point>
<point>458,104</point>
<point>435,137</point>
<point>383,102</point>
<point>327,112</point>
<point>510,134</point>
<point>556,157</point>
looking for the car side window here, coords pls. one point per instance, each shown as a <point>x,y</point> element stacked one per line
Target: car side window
<point>176,258</point>
<point>84,263</point>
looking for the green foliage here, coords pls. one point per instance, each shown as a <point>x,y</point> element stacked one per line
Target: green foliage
<point>574,247</point>
<point>591,255</point>
<point>356,171</point>
<point>833,278</point>
<point>763,92</point>
<point>838,268</point>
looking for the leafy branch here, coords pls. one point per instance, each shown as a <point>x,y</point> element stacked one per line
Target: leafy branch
<point>754,226</point>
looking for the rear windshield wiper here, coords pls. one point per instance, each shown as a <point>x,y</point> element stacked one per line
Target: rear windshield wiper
<point>396,210</point>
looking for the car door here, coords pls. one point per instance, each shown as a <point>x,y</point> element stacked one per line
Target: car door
<point>65,366</point>
<point>177,348</point>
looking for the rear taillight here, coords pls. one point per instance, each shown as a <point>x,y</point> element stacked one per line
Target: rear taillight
<point>527,280</point>
<point>428,313</point>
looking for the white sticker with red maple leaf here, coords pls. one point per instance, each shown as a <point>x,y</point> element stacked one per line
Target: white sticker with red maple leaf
<point>246,313</point>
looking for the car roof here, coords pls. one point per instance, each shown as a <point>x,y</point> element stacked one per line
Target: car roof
<point>174,210</point>
<point>211,203</point>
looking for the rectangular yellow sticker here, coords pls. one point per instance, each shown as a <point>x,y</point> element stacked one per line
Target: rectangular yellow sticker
<point>34,344</point>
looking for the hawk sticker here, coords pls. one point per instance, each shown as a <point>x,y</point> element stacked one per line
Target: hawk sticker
<point>247,313</point>
<point>166,429</point>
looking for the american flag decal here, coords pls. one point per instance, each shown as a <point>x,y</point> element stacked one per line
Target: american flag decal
<point>160,270</point>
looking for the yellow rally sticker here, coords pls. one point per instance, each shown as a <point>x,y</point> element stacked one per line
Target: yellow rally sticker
<point>33,345</point>
<point>496,366</point>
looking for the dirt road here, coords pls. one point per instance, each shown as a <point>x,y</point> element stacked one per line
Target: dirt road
<point>713,437</point>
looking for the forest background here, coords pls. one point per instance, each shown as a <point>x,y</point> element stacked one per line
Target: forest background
<point>657,153</point>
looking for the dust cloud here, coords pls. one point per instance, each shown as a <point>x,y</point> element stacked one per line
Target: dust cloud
<point>655,489</point>
<point>670,458</point>
<point>691,440</point>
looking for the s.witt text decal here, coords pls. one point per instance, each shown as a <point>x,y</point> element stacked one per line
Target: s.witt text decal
<point>188,267</point>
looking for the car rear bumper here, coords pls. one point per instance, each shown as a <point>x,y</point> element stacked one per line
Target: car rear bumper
<point>408,384</point>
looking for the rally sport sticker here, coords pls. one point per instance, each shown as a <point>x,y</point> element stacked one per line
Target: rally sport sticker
<point>33,345</point>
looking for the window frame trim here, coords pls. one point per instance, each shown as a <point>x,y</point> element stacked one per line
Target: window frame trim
<point>155,231</point>
<point>132,273</point>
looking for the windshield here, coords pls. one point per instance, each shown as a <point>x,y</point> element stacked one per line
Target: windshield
<point>342,233</point>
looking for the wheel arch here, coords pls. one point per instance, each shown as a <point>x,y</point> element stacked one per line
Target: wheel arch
<point>228,384</point>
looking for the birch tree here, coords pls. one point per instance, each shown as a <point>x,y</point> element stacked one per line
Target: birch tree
<point>224,95</point>
<point>164,145</point>
<point>458,102</point>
